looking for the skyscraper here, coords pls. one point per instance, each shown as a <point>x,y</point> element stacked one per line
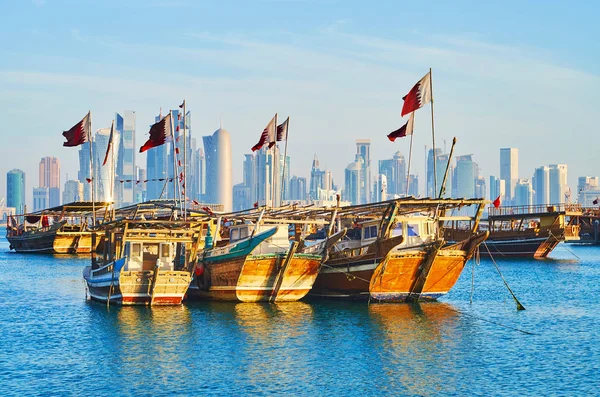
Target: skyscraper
<point>509,170</point>
<point>297,188</point>
<point>107,182</point>
<point>73,192</point>
<point>353,186</point>
<point>49,169</point>
<point>201,175</point>
<point>363,150</point>
<point>413,186</point>
<point>41,198</point>
<point>125,124</point>
<point>316,179</point>
<point>523,193</point>
<point>15,190</point>
<point>395,171</point>
<point>541,186</point>
<point>464,177</point>
<point>558,183</point>
<point>219,188</point>
<point>381,188</point>
<point>84,173</point>
<point>433,187</point>
<point>497,189</point>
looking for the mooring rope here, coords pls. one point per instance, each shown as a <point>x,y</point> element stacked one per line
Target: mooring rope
<point>519,305</point>
<point>491,322</point>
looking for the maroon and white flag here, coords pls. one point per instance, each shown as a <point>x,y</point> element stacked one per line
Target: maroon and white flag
<point>282,131</point>
<point>79,133</point>
<point>110,142</point>
<point>406,129</point>
<point>418,96</point>
<point>267,136</point>
<point>160,133</point>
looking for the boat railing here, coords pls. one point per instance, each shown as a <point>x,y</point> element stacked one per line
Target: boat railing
<point>534,209</point>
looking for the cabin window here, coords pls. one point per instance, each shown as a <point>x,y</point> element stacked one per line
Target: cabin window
<point>370,232</point>
<point>235,234</point>
<point>244,232</point>
<point>413,229</point>
<point>397,230</point>
<point>165,250</point>
<point>136,250</point>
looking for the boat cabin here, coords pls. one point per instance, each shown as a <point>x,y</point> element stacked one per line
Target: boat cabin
<point>280,240</point>
<point>143,256</point>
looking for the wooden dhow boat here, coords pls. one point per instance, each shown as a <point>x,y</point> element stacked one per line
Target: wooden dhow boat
<point>396,251</point>
<point>259,260</point>
<point>66,229</point>
<point>526,231</point>
<point>145,262</point>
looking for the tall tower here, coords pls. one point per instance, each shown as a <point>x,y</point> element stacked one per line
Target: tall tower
<point>15,190</point>
<point>541,186</point>
<point>50,178</point>
<point>105,175</point>
<point>464,177</point>
<point>431,181</point>
<point>558,183</point>
<point>363,150</point>
<point>125,124</point>
<point>156,169</point>
<point>395,171</point>
<point>219,187</point>
<point>353,186</point>
<point>509,170</point>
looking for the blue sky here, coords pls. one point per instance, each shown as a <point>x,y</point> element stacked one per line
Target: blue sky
<point>506,74</point>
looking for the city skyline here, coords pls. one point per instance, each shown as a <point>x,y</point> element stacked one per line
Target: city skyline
<point>493,87</point>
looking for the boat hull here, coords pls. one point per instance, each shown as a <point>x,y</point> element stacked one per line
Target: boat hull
<point>257,278</point>
<point>533,247</point>
<point>168,287</point>
<point>52,242</point>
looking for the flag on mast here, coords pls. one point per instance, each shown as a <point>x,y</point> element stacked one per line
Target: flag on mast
<point>496,202</point>
<point>406,129</point>
<point>282,130</point>
<point>110,142</point>
<point>79,133</point>
<point>418,96</point>
<point>268,135</point>
<point>160,133</point>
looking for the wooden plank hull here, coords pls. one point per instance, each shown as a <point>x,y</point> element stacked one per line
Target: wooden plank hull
<point>135,287</point>
<point>52,242</point>
<point>539,247</point>
<point>254,279</point>
<point>393,280</point>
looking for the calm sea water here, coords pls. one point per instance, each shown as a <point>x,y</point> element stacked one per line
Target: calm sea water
<point>55,342</point>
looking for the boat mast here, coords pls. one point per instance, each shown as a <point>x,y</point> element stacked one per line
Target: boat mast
<point>287,128</point>
<point>184,204</point>
<point>433,133</point>
<point>92,181</point>
<point>410,157</point>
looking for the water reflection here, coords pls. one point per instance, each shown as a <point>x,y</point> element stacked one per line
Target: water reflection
<point>417,345</point>
<point>276,345</point>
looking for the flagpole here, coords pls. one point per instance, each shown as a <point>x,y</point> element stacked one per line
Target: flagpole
<point>287,129</point>
<point>433,133</point>
<point>174,159</point>
<point>409,156</point>
<point>90,138</point>
<point>113,176</point>
<point>184,165</point>
<point>273,165</point>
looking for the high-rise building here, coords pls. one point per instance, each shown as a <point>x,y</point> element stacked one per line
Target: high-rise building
<point>125,124</point>
<point>523,193</point>
<point>433,187</point>
<point>363,150</point>
<point>316,179</point>
<point>201,174</point>
<point>84,173</point>
<point>297,188</point>
<point>497,189</point>
<point>105,175</point>
<point>558,183</point>
<point>413,185</point>
<point>49,169</point>
<point>41,198</point>
<point>480,189</point>
<point>541,186</point>
<point>353,187</point>
<point>441,164</point>
<point>15,190</point>
<point>73,192</point>
<point>586,184</point>
<point>395,171</point>
<point>219,188</point>
<point>464,177</point>
<point>380,188</point>
<point>509,170</point>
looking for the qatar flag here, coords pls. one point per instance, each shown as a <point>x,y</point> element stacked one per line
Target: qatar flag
<point>267,136</point>
<point>160,133</point>
<point>418,96</point>
<point>496,202</point>
<point>79,133</point>
<point>406,129</point>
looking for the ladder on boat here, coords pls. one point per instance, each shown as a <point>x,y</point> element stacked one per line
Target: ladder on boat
<point>286,263</point>
<point>425,268</point>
